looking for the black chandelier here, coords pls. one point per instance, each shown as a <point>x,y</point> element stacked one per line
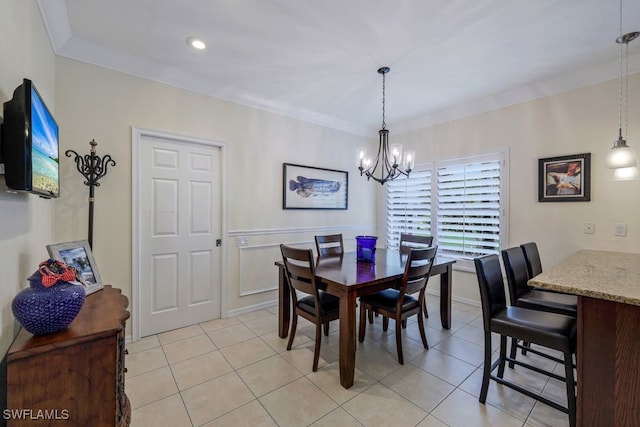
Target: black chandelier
<point>389,158</point>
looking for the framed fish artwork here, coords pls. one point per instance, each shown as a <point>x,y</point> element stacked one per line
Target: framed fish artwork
<point>308,187</point>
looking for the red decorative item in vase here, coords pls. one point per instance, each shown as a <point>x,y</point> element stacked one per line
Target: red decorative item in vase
<point>52,300</point>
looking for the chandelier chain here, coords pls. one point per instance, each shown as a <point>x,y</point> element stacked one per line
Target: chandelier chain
<point>384,124</point>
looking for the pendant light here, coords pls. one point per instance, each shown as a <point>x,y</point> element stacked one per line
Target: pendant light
<point>389,158</point>
<point>621,155</point>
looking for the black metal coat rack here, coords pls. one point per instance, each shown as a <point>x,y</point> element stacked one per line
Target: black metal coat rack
<point>93,168</point>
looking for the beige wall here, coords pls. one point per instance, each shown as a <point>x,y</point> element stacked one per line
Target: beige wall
<point>98,103</point>
<point>26,222</point>
<point>580,121</point>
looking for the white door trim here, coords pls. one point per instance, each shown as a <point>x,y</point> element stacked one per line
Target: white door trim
<point>136,135</point>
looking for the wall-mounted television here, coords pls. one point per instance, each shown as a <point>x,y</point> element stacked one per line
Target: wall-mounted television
<point>30,143</point>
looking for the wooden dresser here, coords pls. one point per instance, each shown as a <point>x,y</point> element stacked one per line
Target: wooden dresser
<point>74,377</point>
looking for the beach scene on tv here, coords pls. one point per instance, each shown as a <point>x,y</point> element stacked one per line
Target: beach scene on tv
<point>44,147</point>
<point>77,258</point>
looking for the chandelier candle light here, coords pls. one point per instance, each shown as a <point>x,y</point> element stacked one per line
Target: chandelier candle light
<point>621,157</point>
<point>389,157</point>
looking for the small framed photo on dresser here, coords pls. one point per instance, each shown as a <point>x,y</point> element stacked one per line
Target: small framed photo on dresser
<point>78,255</point>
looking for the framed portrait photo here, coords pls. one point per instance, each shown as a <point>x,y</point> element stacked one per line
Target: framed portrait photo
<point>308,187</point>
<point>565,178</point>
<point>78,255</point>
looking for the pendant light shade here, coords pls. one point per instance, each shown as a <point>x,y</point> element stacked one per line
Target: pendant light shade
<point>626,174</point>
<point>620,155</point>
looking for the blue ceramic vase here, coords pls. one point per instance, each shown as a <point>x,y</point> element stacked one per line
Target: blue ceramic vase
<point>42,310</point>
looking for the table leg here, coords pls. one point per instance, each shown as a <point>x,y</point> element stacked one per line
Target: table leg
<point>284,304</point>
<point>347,339</point>
<point>445,297</point>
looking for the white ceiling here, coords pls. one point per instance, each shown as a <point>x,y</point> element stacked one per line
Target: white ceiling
<point>317,59</point>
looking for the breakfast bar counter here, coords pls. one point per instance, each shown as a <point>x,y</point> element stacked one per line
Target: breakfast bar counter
<point>608,288</point>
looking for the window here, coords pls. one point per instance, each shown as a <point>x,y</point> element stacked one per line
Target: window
<point>409,205</point>
<point>468,215</point>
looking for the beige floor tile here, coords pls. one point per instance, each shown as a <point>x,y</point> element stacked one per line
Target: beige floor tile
<point>188,348</point>
<point>298,403</point>
<point>301,357</point>
<point>376,361</point>
<point>200,369</point>
<point>338,417</point>
<point>446,367</point>
<point>411,348</point>
<point>263,325</point>
<point>327,378</point>
<point>250,415</point>
<point>500,396</point>
<point>145,361</point>
<point>462,409</point>
<point>280,344</point>
<point>247,352</point>
<point>431,421</point>
<point>150,387</point>
<point>169,411</point>
<point>462,349</point>
<point>212,325</point>
<point>207,401</point>
<point>418,386</point>
<point>179,334</point>
<point>231,335</point>
<point>252,315</point>
<point>545,416</point>
<point>268,374</point>
<point>379,405</point>
<point>143,344</point>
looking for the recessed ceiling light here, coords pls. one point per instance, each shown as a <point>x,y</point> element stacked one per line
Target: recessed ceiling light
<point>196,43</point>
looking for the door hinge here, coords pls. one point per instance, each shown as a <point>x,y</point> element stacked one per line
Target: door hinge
<point>218,242</point>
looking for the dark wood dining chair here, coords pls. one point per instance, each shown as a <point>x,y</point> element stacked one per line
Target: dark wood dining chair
<point>409,241</point>
<point>532,258</point>
<point>307,299</point>
<point>399,304</point>
<point>550,330</point>
<point>329,245</point>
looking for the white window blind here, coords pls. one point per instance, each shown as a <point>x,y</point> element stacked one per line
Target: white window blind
<point>468,209</point>
<point>409,205</point>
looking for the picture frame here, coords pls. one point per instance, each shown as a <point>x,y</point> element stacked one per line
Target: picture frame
<point>309,187</point>
<point>78,254</point>
<point>565,178</point>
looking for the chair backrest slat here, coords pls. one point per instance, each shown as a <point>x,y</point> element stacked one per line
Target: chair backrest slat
<point>410,241</point>
<point>532,256</point>
<point>329,245</point>
<point>417,269</point>
<point>517,275</point>
<point>300,269</point>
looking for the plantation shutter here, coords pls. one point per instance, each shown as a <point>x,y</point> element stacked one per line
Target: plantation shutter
<point>468,208</point>
<point>409,206</point>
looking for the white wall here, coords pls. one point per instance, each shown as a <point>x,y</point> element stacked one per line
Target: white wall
<point>98,103</point>
<point>26,222</point>
<point>580,121</point>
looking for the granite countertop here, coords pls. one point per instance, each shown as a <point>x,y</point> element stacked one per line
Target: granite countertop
<point>613,276</point>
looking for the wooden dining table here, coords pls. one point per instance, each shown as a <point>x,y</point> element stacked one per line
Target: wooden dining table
<point>346,278</point>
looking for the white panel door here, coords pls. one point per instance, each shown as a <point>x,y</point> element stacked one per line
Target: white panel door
<point>179,222</point>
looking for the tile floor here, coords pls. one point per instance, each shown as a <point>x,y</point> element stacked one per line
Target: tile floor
<point>237,372</point>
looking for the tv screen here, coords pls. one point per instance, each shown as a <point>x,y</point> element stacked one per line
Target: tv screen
<point>30,144</point>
